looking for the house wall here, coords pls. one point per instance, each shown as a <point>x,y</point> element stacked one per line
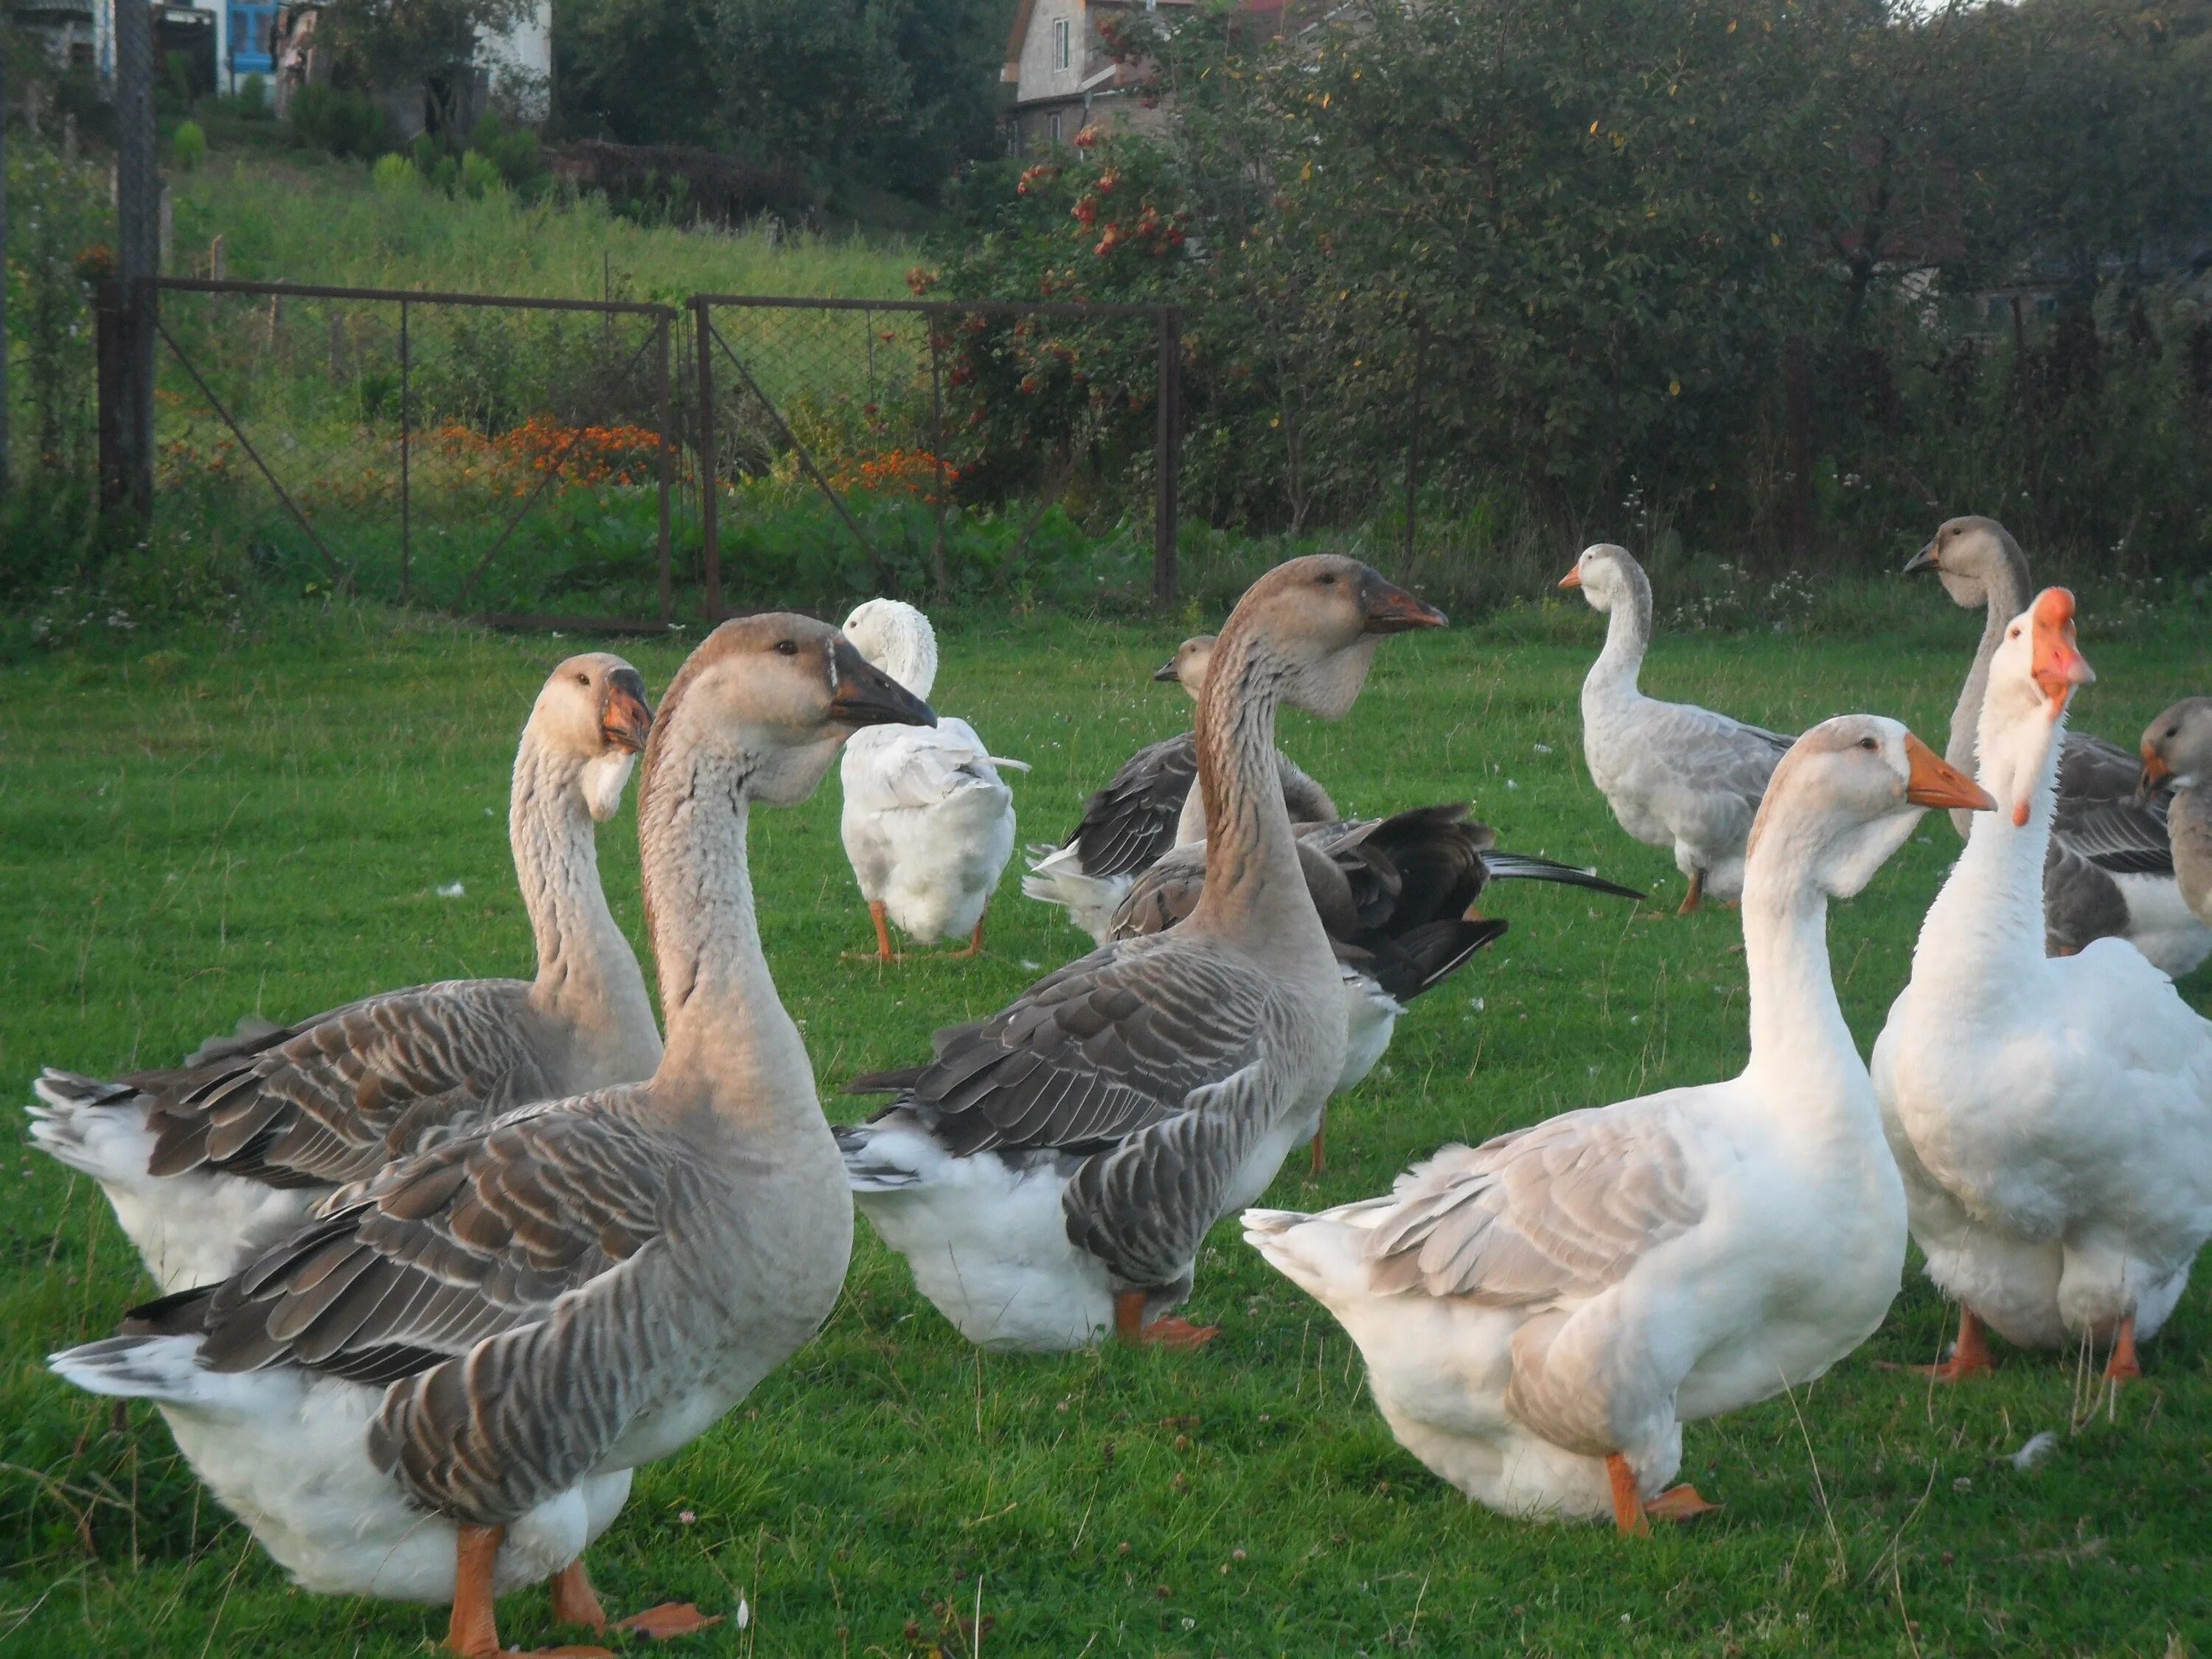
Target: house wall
<point>521,63</point>
<point>1039,78</point>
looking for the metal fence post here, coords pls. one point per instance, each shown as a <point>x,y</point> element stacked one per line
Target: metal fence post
<point>111,346</point>
<point>1797,394</point>
<point>138,206</point>
<point>939,576</point>
<point>710,484</point>
<point>406,440</point>
<point>1413,442</point>
<point>668,445</point>
<point>1168,462</point>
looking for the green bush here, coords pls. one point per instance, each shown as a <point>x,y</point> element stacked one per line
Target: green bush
<point>338,119</point>
<point>512,150</point>
<point>395,175</point>
<point>190,145</point>
<point>480,175</point>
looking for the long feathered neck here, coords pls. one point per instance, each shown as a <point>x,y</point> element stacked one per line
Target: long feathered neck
<point>1627,636</point>
<point>728,1033</point>
<point>1252,873</point>
<point>2004,593</point>
<point>586,971</point>
<point>1987,923</point>
<point>1797,1030</point>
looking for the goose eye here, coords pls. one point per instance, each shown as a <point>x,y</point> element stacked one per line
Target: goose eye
<point>786,647</point>
<point>1869,744</point>
<point>583,680</point>
<point>1326,581</point>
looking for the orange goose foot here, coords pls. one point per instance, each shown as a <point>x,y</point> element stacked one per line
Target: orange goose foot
<point>1632,1516</point>
<point>2124,1367</point>
<point>1170,1332</point>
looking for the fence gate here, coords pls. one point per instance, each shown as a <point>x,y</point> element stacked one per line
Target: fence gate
<point>468,452</point>
<point>898,412</point>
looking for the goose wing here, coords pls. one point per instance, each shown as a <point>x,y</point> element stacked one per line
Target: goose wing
<point>1557,1212</point>
<point>1132,821</point>
<point>888,767</point>
<point>1711,753</point>
<point>331,1100</point>
<point>2101,819</point>
<point>1108,1045</point>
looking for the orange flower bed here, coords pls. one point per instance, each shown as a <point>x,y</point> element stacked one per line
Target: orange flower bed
<point>894,472</point>
<point>586,457</point>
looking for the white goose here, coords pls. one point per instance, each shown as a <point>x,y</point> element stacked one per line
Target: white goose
<point>2109,872</point>
<point>1540,1314</point>
<point>1146,808</point>
<point>2053,1115</point>
<point>1054,1171</point>
<point>204,1160</point>
<point>1676,776</point>
<point>2177,757</point>
<point>438,1391</point>
<point>928,823</point>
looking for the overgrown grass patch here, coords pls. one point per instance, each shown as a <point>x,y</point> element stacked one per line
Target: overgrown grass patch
<point>224,824</point>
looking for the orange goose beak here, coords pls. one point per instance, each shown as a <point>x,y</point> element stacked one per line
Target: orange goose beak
<point>2155,771</point>
<point>1391,609</point>
<point>2059,665</point>
<point>1934,781</point>
<point>1573,579</point>
<point>627,721</point>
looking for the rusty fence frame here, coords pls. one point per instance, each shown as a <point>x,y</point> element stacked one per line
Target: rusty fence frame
<point>146,298</point>
<point>1167,321</point>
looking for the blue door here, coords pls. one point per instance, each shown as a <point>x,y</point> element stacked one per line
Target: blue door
<point>249,39</point>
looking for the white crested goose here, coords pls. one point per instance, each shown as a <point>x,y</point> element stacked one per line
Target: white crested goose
<point>2177,757</point>
<point>1676,776</point>
<point>438,1391</point>
<point>1541,1314</point>
<point>928,823</point>
<point>1147,807</point>
<point>204,1160</point>
<point>1052,1173</point>
<point>2110,872</point>
<point>2053,1115</point>
<point>1395,894</point>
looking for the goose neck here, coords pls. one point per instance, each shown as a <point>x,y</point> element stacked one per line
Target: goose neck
<point>728,1032</point>
<point>1798,1036</point>
<point>1989,918</point>
<point>1252,879</point>
<point>2004,595</point>
<point>1627,637</point>
<point>586,972</point>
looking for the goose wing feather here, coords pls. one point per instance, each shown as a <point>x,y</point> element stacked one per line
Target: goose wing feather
<point>1711,753</point>
<point>1132,821</point>
<point>1108,1046</point>
<point>328,1101</point>
<point>888,767</point>
<point>1553,1212</point>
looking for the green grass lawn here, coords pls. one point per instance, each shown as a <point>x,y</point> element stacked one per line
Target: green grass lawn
<point>263,825</point>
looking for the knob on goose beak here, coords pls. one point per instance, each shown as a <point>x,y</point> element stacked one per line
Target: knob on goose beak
<point>1573,578</point>
<point>1924,560</point>
<point>626,721</point>
<point>1391,609</point>
<point>1934,781</point>
<point>1165,673</point>
<point>2059,665</point>
<point>865,696</point>
<point>2155,772</point>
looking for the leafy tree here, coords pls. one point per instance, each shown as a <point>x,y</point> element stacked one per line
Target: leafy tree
<point>395,45</point>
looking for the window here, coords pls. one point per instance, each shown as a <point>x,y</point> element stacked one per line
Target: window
<point>1053,121</point>
<point>1060,46</point>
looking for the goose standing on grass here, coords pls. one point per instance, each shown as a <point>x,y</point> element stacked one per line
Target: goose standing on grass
<point>1146,808</point>
<point>1676,775</point>
<point>202,1161</point>
<point>2111,869</point>
<point>2177,757</point>
<point>1541,1314</point>
<point>1394,895</point>
<point>438,1391</point>
<point>928,824</point>
<point>1052,1172</point>
<point>2053,1115</point>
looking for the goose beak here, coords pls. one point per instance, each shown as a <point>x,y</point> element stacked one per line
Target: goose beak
<point>1934,781</point>
<point>2059,665</point>
<point>1165,673</point>
<point>1924,560</point>
<point>864,695</point>
<point>2155,772</point>
<point>1391,609</point>
<point>1573,579</point>
<point>627,721</point>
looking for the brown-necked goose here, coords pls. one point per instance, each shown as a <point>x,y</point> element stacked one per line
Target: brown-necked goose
<point>1394,895</point>
<point>2177,757</point>
<point>2110,870</point>
<point>1146,808</point>
<point>438,1391</point>
<point>243,1140</point>
<point>1676,776</point>
<point>1054,1170</point>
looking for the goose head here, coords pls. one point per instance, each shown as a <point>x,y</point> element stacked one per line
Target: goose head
<point>1607,575</point>
<point>592,712</point>
<point>1186,668</point>
<point>1845,797</point>
<point>2178,745</point>
<point>1317,621</point>
<point>2032,676</point>
<point>897,639</point>
<point>1972,556</point>
<point>774,695</point>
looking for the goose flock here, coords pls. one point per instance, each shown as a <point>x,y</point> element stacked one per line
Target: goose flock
<point>442,1268</point>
